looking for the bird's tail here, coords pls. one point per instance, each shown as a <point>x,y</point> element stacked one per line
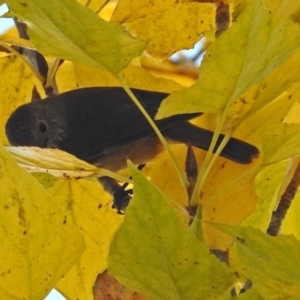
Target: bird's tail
<point>235,150</point>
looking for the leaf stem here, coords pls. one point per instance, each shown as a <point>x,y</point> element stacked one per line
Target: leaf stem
<point>180,173</point>
<point>53,67</point>
<point>208,162</point>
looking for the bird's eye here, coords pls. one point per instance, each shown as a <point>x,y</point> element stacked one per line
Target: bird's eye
<point>43,127</point>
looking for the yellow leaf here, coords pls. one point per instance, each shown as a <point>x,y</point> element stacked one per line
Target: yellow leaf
<point>16,87</point>
<point>165,177</point>
<point>273,86</point>
<point>87,76</point>
<point>74,32</point>
<point>166,36</point>
<point>39,241</point>
<point>138,77</point>
<point>282,8</point>
<point>37,159</point>
<point>16,41</point>
<point>65,78</point>
<point>57,162</point>
<point>281,142</point>
<point>244,55</point>
<point>290,224</point>
<point>267,185</point>
<point>127,10</point>
<point>90,209</point>
<point>135,76</point>
<point>229,193</point>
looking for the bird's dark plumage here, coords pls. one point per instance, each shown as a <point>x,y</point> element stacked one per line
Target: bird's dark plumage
<point>104,127</point>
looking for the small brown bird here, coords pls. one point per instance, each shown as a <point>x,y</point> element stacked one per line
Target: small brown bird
<point>104,127</point>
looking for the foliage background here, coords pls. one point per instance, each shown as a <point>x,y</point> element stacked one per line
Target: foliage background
<point>62,233</point>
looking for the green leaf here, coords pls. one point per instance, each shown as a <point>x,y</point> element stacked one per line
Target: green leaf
<point>291,220</point>
<point>256,44</point>
<point>280,141</point>
<point>154,254</point>
<point>250,294</point>
<point>267,184</point>
<point>68,30</point>
<point>39,243</point>
<point>271,263</point>
<point>45,179</point>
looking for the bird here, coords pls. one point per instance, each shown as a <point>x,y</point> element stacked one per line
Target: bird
<point>103,126</point>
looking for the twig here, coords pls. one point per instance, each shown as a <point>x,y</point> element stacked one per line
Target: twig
<point>284,204</point>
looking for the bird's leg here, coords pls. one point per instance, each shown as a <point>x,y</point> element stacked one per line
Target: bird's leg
<point>121,196</point>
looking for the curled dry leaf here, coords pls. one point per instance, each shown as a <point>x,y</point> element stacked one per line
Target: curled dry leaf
<point>58,163</point>
<point>107,287</point>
